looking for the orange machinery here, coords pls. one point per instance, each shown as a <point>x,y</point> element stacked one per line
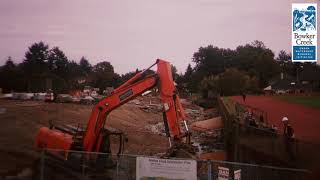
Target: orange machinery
<point>95,138</point>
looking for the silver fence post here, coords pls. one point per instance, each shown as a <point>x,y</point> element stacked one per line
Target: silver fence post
<point>42,165</point>
<point>209,170</point>
<point>117,173</point>
<point>83,165</point>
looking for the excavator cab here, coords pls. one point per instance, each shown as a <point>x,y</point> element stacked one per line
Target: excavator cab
<point>77,160</point>
<point>79,131</point>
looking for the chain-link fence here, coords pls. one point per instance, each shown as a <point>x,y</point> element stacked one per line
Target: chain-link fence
<point>254,172</point>
<point>81,165</point>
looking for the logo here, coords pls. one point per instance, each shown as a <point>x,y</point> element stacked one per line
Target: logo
<point>304,32</point>
<point>126,94</point>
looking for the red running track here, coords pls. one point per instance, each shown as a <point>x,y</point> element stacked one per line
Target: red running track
<point>304,120</point>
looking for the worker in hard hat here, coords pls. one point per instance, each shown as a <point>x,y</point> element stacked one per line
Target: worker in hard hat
<point>288,130</point>
<point>288,134</point>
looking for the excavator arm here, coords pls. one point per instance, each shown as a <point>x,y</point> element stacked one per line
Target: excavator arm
<point>105,106</point>
<point>173,112</point>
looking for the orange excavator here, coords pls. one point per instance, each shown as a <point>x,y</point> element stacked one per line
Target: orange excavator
<point>63,140</point>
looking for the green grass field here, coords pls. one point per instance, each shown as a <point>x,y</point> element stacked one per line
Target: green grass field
<point>310,101</point>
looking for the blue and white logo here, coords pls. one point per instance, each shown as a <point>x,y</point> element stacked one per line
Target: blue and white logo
<point>304,32</point>
<point>304,20</point>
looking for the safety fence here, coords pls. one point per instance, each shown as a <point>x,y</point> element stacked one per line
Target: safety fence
<point>84,165</point>
<point>261,143</point>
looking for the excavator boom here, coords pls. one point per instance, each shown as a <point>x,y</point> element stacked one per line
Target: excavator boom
<point>105,106</point>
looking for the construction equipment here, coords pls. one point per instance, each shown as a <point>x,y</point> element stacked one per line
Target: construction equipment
<point>95,138</point>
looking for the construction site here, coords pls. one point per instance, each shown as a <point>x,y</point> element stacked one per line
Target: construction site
<point>159,90</point>
<point>229,139</point>
<point>140,120</point>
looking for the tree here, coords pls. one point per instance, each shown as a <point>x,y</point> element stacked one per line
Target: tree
<point>11,77</point>
<point>36,58</point>
<point>266,68</point>
<point>6,75</point>
<point>284,56</point>
<point>211,60</point>
<point>247,55</point>
<point>58,65</point>
<point>9,64</point>
<point>258,44</point>
<point>230,82</point>
<point>85,66</point>
<point>189,80</point>
<point>75,75</point>
<point>254,58</point>
<point>58,62</point>
<point>104,76</point>
<point>74,69</point>
<point>127,76</point>
<point>179,80</point>
<point>174,72</point>
<point>188,73</point>
<point>103,67</point>
<point>208,61</point>
<point>35,66</point>
<point>116,80</point>
<point>286,65</point>
<point>258,60</point>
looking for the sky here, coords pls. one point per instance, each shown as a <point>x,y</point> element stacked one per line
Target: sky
<point>132,34</point>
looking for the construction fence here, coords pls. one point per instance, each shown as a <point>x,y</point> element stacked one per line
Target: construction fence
<point>76,165</point>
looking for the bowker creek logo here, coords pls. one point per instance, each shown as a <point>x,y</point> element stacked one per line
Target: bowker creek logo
<point>304,32</point>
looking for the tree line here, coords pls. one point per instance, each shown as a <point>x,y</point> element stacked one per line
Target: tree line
<point>248,68</point>
<point>44,67</point>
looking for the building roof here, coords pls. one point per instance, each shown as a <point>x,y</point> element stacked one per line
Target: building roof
<point>284,84</point>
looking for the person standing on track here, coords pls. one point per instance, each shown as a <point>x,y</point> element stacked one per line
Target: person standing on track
<point>244,97</point>
<point>288,134</point>
<point>288,130</point>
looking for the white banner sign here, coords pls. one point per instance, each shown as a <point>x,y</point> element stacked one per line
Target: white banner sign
<point>165,168</point>
<point>237,174</point>
<point>223,173</point>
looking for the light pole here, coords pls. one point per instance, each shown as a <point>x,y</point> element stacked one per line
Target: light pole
<point>301,66</point>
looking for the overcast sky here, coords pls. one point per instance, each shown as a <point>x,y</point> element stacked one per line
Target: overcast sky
<point>133,33</point>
